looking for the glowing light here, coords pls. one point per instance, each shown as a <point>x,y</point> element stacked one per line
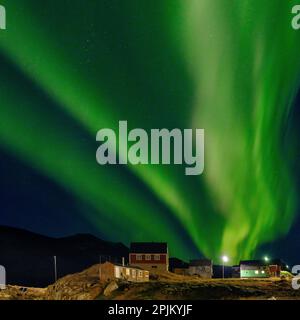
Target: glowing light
<point>225,259</point>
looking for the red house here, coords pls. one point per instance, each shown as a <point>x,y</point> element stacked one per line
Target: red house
<point>149,255</point>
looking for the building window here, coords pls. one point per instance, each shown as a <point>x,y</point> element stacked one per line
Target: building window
<point>139,257</point>
<point>157,257</point>
<point>148,256</point>
<point>117,272</point>
<point>154,267</point>
<point>127,272</point>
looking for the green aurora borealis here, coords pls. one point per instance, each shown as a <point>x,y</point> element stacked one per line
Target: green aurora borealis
<point>232,68</point>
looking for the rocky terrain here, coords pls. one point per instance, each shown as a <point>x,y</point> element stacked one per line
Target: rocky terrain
<point>86,286</point>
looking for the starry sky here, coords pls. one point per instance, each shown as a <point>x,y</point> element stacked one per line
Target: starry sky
<point>70,68</point>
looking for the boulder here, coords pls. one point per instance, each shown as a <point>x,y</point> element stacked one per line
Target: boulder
<point>111,287</point>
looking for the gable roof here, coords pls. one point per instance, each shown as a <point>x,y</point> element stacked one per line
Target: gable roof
<point>200,263</point>
<point>121,265</point>
<point>148,247</point>
<point>278,262</point>
<point>175,263</point>
<point>253,263</point>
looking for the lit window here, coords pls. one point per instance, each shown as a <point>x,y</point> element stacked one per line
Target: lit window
<point>127,272</point>
<point>148,256</point>
<point>139,257</point>
<point>157,257</point>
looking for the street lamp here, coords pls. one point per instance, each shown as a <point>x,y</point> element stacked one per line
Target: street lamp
<point>55,267</point>
<point>225,260</point>
<point>266,258</point>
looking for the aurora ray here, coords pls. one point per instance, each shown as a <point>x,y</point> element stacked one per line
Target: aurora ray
<point>248,53</point>
<point>145,62</point>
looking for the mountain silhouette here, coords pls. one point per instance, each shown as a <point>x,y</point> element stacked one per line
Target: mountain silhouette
<point>29,257</point>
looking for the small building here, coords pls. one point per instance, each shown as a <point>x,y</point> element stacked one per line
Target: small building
<point>220,271</point>
<point>111,271</point>
<point>235,271</point>
<point>181,271</point>
<point>151,256</point>
<point>178,266</point>
<point>276,266</point>
<point>274,270</point>
<point>254,269</point>
<point>201,267</point>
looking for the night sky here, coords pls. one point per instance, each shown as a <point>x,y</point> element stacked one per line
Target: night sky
<point>69,68</point>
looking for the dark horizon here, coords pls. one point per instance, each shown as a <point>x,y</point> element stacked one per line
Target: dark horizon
<point>278,249</point>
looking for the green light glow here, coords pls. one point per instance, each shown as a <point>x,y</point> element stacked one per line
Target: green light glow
<point>231,70</point>
<point>246,64</point>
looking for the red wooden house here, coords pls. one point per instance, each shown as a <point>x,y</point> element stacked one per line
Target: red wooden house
<point>149,255</point>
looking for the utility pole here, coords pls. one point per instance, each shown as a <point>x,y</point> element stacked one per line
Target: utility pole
<point>100,261</point>
<point>224,259</point>
<point>55,268</point>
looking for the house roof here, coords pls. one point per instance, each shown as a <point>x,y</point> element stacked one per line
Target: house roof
<point>175,263</point>
<point>277,262</point>
<point>149,247</point>
<point>200,262</point>
<point>129,267</point>
<point>126,266</point>
<point>253,263</point>
<point>262,262</point>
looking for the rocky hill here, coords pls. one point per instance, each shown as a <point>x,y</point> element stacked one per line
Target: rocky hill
<point>166,286</point>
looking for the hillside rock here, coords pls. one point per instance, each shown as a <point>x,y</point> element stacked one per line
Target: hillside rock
<point>111,287</point>
<point>22,293</point>
<point>86,286</point>
<point>80,286</point>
